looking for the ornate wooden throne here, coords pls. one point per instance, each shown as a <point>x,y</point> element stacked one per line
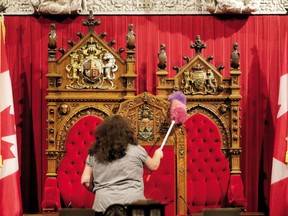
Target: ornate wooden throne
<point>85,85</point>
<point>208,163</point>
<point>91,81</point>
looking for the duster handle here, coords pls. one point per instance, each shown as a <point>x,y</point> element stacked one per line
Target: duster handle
<point>167,134</point>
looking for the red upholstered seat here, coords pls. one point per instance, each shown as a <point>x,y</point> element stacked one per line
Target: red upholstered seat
<point>160,185</point>
<point>208,171</point>
<point>209,184</point>
<point>79,138</point>
<point>235,192</point>
<point>51,199</point>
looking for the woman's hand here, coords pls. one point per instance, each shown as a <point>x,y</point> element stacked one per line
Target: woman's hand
<point>86,178</point>
<point>158,153</point>
<point>154,162</point>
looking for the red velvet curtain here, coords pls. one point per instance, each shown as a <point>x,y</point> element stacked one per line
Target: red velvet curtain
<point>260,40</point>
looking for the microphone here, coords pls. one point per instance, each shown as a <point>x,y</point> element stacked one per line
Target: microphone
<point>77,192</point>
<point>188,209</point>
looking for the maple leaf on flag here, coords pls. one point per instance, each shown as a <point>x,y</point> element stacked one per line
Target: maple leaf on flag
<point>7,130</point>
<point>6,152</point>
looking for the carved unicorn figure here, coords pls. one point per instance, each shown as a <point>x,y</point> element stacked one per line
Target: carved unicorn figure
<point>109,68</point>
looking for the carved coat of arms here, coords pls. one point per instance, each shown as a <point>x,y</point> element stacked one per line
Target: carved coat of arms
<point>145,124</point>
<point>91,66</point>
<point>199,81</point>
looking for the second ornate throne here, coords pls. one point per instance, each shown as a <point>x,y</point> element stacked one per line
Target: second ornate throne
<point>208,163</point>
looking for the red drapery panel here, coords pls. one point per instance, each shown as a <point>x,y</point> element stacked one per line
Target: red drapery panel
<point>260,44</point>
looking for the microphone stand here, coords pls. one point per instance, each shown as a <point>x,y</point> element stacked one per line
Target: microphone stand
<point>186,204</point>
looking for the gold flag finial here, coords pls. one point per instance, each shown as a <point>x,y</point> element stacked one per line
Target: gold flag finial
<point>1,162</point>
<point>3,29</point>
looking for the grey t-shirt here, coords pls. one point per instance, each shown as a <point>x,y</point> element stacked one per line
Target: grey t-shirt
<point>120,181</point>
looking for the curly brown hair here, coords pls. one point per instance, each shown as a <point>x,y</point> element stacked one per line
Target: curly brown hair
<point>112,138</point>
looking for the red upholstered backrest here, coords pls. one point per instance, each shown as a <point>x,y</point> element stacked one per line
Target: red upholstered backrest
<point>79,138</point>
<point>208,169</point>
<point>160,185</point>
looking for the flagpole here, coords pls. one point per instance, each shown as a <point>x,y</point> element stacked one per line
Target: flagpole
<point>2,34</point>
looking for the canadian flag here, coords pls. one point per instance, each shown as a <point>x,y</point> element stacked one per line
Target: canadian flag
<point>10,193</point>
<point>279,178</point>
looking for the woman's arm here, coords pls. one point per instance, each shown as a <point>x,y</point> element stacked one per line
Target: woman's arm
<point>154,162</point>
<point>86,178</point>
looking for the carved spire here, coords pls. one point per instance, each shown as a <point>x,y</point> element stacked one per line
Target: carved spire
<point>198,45</point>
<point>52,42</point>
<point>130,37</point>
<point>162,57</point>
<point>91,23</point>
<point>130,43</point>
<point>235,56</point>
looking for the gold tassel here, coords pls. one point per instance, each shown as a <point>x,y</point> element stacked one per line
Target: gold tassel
<point>1,162</point>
